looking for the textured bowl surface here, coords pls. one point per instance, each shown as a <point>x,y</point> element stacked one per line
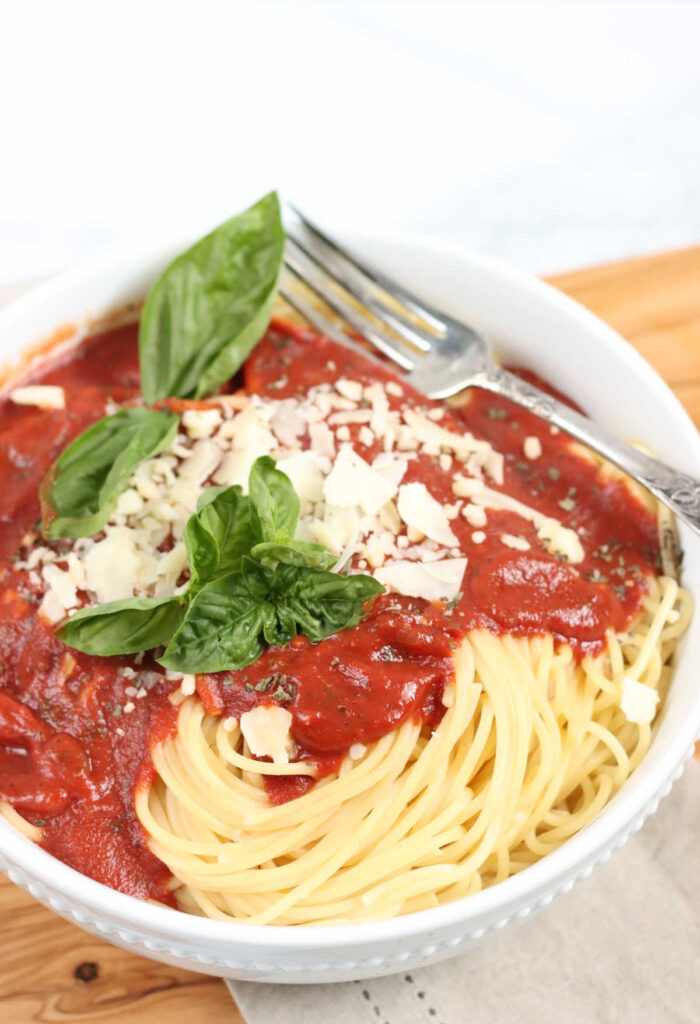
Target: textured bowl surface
<point>528,324</point>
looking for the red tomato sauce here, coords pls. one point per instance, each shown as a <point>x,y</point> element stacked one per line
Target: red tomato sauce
<point>71,757</point>
<point>505,590</point>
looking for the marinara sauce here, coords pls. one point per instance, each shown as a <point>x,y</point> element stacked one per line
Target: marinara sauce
<point>71,757</point>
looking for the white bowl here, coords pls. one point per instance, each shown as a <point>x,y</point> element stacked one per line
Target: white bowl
<point>530,324</point>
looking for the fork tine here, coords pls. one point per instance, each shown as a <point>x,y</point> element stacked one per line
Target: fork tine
<point>421,309</point>
<point>360,287</point>
<point>320,280</point>
<point>316,318</point>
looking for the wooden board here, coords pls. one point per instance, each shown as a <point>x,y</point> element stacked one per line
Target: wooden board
<point>52,971</point>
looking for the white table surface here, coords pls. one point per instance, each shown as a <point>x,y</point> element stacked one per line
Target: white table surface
<point>550,134</point>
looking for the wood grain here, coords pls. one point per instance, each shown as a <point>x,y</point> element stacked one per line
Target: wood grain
<point>51,971</point>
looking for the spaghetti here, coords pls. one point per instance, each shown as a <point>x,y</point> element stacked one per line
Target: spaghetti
<point>531,748</point>
<point>483,710</point>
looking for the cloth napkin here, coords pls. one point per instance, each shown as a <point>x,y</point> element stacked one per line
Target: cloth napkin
<point>623,947</point>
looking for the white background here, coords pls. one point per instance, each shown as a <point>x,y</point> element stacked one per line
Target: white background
<point>550,134</point>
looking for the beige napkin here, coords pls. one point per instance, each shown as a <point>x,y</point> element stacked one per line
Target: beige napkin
<point>622,947</point>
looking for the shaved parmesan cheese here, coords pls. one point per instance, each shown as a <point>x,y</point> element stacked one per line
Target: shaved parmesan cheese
<point>419,510</point>
<point>353,416</point>
<point>638,702</point>
<point>474,514</point>
<point>204,459</point>
<point>185,493</point>
<point>469,487</point>
<point>200,423</point>
<point>51,609</point>
<point>322,439</point>
<point>287,425</point>
<point>187,686</point>
<point>251,439</point>
<point>427,432</point>
<point>353,482</point>
<point>390,518</point>
<point>557,538</point>
<point>266,730</point>
<point>376,396</point>
<point>112,565</point>
<point>560,540</point>
<point>339,530</point>
<point>493,464</point>
<point>129,503</point>
<point>303,470</point>
<point>76,570</point>
<point>433,581</point>
<point>532,448</point>
<point>374,553</point>
<point>391,466</point>
<point>170,567</point>
<point>517,543</point>
<point>45,396</point>
<point>351,389</point>
<point>62,585</point>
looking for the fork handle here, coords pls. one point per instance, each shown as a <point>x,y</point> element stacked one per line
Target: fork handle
<point>678,491</point>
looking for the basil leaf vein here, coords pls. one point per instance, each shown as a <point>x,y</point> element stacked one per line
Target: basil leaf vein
<point>210,307</point>
<point>80,489</point>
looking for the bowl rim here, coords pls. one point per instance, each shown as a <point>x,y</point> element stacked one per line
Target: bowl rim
<point>570,860</point>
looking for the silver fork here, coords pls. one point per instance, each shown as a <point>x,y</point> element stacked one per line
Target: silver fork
<point>441,356</point>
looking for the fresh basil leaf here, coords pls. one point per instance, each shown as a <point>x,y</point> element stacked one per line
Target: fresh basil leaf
<point>274,500</point>
<point>81,487</point>
<point>295,552</point>
<point>276,507</point>
<point>322,603</point>
<point>208,495</point>
<point>210,307</point>
<point>230,621</point>
<point>123,627</point>
<point>224,625</point>
<point>218,536</point>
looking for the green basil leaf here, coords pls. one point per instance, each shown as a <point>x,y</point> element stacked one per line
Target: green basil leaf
<point>208,495</point>
<point>230,621</point>
<point>123,627</point>
<point>82,486</point>
<point>276,508</point>
<point>322,603</point>
<point>210,307</point>
<point>274,500</point>
<point>224,625</point>
<point>217,536</point>
<point>295,552</point>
